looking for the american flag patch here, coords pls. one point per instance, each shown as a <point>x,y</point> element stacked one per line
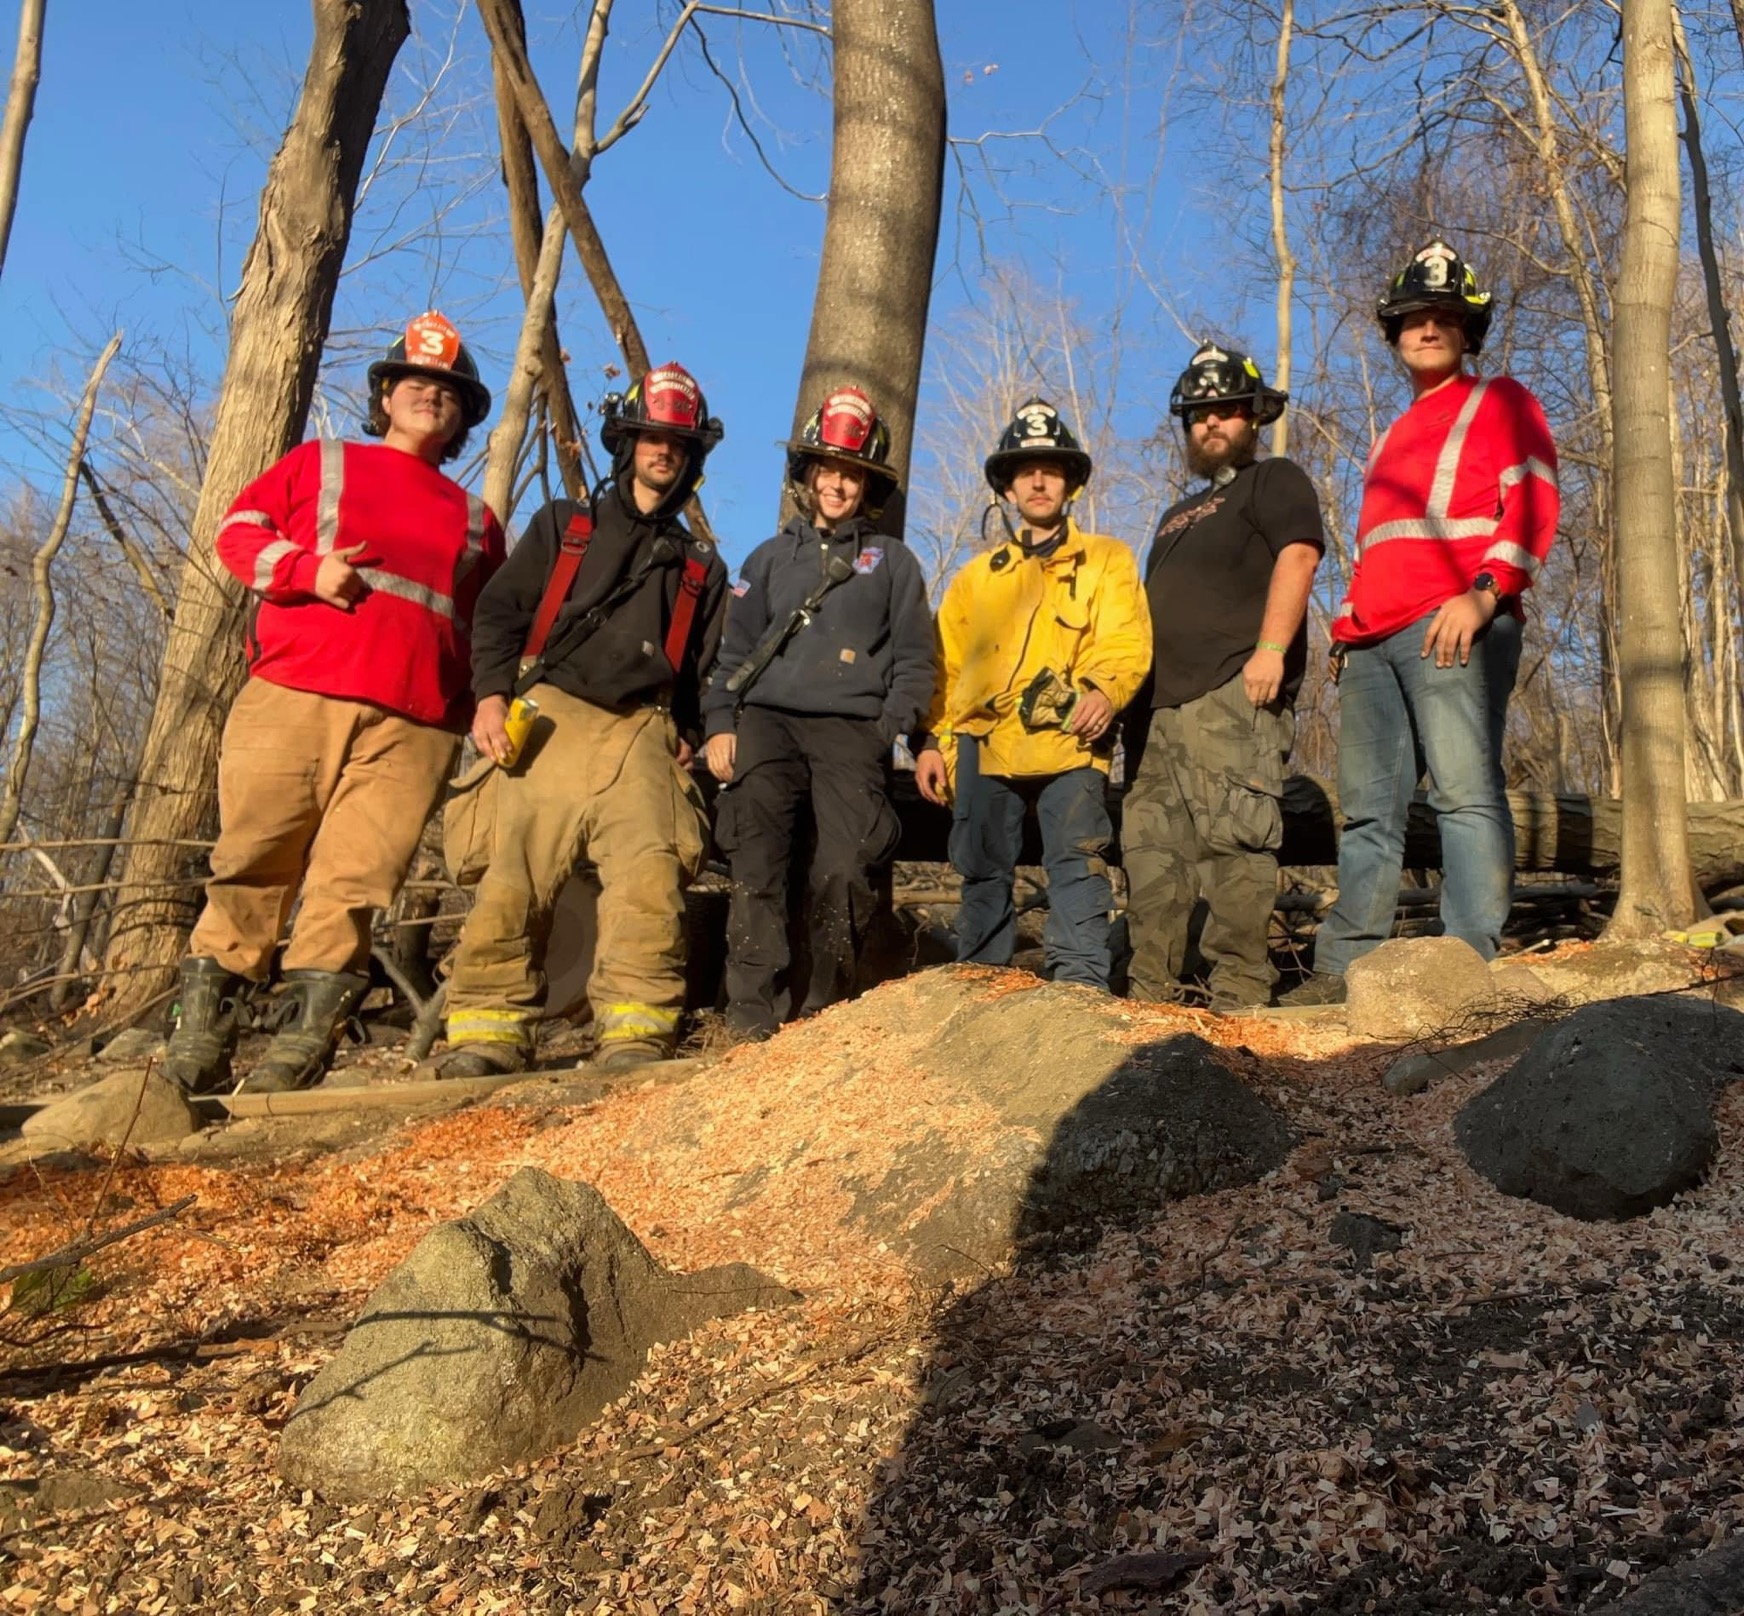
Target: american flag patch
<point>742,588</point>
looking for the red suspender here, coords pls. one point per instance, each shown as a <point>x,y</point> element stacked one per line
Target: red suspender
<point>690,584</point>
<point>570,549</point>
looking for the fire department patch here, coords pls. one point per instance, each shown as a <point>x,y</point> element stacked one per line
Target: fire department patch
<point>867,560</point>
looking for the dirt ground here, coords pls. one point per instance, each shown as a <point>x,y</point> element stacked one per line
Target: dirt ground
<point>1508,1410</point>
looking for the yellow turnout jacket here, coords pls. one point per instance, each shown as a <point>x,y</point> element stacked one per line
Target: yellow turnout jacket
<point>1006,616</point>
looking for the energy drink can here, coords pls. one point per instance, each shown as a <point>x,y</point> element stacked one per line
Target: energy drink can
<point>519,725</point>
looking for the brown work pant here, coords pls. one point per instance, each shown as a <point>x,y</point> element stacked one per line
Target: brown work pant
<point>321,793</point>
<point>594,787</point>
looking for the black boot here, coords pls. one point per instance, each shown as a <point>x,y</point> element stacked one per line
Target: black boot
<point>207,1021</point>
<point>314,1006</point>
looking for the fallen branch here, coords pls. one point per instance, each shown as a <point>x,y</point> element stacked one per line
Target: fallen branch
<point>76,1251</point>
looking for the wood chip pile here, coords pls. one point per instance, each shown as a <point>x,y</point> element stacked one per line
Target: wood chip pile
<point>1223,1409</point>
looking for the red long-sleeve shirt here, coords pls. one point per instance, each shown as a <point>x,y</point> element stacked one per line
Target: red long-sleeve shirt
<point>429,548</point>
<point>1463,483</point>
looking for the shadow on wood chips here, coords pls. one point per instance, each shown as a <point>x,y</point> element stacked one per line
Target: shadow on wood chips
<point>1130,1421</point>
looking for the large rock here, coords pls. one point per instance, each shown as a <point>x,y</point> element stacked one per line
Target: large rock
<point>1095,1126</point>
<point>1418,987</point>
<point>114,1112</point>
<point>1610,1113</point>
<point>1711,1584</point>
<point>1619,970</point>
<point>496,1341</point>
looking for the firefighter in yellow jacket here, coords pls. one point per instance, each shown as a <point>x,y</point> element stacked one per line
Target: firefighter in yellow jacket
<point>1041,642</point>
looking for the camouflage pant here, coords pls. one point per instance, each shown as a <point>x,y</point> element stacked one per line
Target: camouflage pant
<point>1204,816</point>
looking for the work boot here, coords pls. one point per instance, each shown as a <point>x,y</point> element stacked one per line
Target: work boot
<point>1323,987</point>
<point>208,1018</point>
<point>313,1008</point>
<point>482,1060</point>
<point>624,1054</point>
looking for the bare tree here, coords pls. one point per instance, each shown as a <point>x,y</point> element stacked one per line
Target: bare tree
<point>868,324</point>
<point>20,103</point>
<point>42,590</point>
<point>277,329</point>
<point>1656,881</point>
<point>1280,439</point>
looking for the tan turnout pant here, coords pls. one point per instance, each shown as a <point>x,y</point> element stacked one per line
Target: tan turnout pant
<point>323,794</point>
<point>596,787</point>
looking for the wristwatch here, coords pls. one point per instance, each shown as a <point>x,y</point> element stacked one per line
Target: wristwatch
<point>1487,580</point>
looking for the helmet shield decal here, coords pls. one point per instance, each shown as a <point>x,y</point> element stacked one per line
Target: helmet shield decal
<point>431,342</point>
<point>846,421</point>
<point>671,398</point>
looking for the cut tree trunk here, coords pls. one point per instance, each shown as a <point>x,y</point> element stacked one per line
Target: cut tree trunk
<point>868,324</point>
<point>277,330</point>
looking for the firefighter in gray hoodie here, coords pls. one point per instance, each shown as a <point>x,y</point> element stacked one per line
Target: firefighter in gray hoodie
<point>826,659</point>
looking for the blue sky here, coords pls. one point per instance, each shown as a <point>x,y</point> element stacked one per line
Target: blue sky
<point>154,124</point>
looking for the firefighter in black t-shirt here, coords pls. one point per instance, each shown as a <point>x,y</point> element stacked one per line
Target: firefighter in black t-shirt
<point>1228,576</point>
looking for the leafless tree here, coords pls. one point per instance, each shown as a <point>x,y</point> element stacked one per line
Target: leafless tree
<point>20,103</point>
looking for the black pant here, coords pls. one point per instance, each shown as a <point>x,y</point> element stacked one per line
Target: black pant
<point>783,761</point>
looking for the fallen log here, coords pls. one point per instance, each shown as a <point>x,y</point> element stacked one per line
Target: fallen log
<point>1563,834</point>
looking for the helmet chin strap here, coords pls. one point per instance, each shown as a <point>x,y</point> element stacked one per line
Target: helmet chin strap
<point>1016,535</point>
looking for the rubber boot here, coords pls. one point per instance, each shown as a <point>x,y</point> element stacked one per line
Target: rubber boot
<point>482,1060</point>
<point>622,1054</point>
<point>208,1019</point>
<point>315,1005</point>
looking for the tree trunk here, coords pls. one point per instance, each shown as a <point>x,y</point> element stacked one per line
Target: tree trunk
<point>1280,441</point>
<point>1719,317</point>
<point>20,103</point>
<point>538,365</point>
<point>277,330</point>
<point>1656,886</point>
<point>868,324</point>
<point>567,173</point>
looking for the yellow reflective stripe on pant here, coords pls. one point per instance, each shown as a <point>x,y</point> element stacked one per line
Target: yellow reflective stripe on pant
<point>621,1022</point>
<point>491,1027</point>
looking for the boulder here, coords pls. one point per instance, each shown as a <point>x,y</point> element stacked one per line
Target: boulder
<point>1412,1073</point>
<point>1619,970</point>
<point>104,1114</point>
<point>1610,1113</point>
<point>1418,987</point>
<point>496,1341</point>
<point>1710,1584</point>
<point>1095,1127</point>
<point>18,1046</point>
<point>132,1044</point>
<point>1518,985</point>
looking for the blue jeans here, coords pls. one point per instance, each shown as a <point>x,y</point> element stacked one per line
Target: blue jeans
<point>986,842</point>
<point>1399,716</point>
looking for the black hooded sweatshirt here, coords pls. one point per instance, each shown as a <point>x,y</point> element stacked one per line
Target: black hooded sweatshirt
<point>622,665</point>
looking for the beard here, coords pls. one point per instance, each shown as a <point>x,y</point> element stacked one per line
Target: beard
<point>1235,447</point>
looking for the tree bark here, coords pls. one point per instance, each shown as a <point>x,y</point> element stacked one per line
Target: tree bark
<point>43,604</point>
<point>1656,885</point>
<point>20,103</point>
<point>868,323</point>
<point>277,329</point>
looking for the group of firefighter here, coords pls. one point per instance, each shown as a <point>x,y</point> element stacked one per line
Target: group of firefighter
<point>609,650</point>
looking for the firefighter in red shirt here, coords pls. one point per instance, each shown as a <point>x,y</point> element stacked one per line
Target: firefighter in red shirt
<point>365,561</point>
<point>1459,508</point>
